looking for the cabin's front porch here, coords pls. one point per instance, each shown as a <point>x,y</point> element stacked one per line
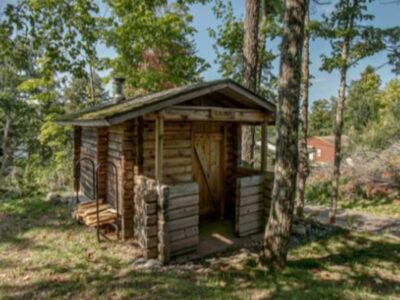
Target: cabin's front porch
<point>168,222</point>
<point>219,235</point>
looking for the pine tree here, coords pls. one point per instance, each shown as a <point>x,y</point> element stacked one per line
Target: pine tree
<point>277,232</point>
<point>303,169</point>
<point>351,41</point>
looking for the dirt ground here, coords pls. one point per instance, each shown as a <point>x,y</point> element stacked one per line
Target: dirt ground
<point>357,220</point>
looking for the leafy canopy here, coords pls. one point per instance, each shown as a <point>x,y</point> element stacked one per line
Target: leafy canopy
<point>153,44</point>
<point>349,23</point>
<point>363,101</point>
<point>229,37</point>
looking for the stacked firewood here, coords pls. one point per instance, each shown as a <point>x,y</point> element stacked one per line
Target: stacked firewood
<point>86,213</point>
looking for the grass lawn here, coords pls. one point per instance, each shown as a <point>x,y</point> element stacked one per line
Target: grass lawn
<point>379,207</point>
<point>44,254</point>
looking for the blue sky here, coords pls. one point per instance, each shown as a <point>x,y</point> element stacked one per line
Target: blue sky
<point>324,84</point>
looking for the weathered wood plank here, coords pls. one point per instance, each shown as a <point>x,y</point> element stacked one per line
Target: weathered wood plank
<point>184,189</point>
<point>252,199</point>
<point>183,223</point>
<point>252,190</point>
<point>183,233</point>
<point>252,208</point>
<point>183,212</point>
<point>168,153</point>
<point>170,162</point>
<point>174,178</point>
<point>252,217</point>
<point>178,144</point>
<point>251,180</point>
<point>184,244</point>
<point>179,113</point>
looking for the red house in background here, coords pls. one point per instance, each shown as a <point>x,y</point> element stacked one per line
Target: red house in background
<point>322,148</point>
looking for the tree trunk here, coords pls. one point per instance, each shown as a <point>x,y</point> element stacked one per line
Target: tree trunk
<point>92,88</point>
<point>250,61</point>
<point>345,48</point>
<point>338,131</point>
<point>277,233</point>
<point>303,170</point>
<point>4,145</point>
<point>262,37</point>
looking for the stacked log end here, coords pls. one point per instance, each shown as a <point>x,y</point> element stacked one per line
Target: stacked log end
<point>87,213</point>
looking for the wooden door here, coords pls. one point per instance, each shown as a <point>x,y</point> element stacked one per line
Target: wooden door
<point>208,172</point>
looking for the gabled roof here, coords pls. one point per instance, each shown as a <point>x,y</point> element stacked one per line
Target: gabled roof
<point>107,114</point>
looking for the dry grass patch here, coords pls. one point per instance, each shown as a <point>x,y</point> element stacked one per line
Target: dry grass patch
<point>44,254</point>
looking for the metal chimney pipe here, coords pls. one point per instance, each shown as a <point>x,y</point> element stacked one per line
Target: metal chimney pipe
<point>118,89</point>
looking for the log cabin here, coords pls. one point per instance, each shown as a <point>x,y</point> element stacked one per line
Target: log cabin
<point>178,159</point>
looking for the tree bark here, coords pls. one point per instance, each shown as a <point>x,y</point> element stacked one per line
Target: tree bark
<point>4,145</point>
<point>92,88</point>
<point>250,44</point>
<point>277,233</point>
<point>303,170</point>
<point>262,37</point>
<point>338,132</point>
<point>250,62</point>
<point>345,48</point>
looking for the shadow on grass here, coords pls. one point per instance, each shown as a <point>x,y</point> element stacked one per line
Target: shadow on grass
<point>364,203</point>
<point>107,276</point>
<point>19,215</point>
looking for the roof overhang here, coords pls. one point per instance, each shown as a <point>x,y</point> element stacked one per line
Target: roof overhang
<point>226,87</point>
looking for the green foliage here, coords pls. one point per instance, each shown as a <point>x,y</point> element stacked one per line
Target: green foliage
<point>363,101</point>
<point>47,50</point>
<point>346,25</point>
<point>229,43</point>
<point>65,31</point>
<point>153,43</point>
<point>321,117</point>
<point>392,41</point>
<point>318,192</point>
<point>77,93</point>
<point>386,128</point>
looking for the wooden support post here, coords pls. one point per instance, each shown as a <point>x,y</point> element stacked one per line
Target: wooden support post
<point>139,145</point>
<point>239,144</point>
<point>264,145</point>
<point>77,156</point>
<point>159,139</point>
<point>101,158</point>
<point>223,169</point>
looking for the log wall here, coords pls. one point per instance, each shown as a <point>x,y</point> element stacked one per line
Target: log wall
<point>166,218</point>
<point>77,155</point>
<point>177,158</point>
<point>253,197</point>
<point>183,218</point>
<point>121,150</point>
<point>101,159</point>
<point>146,219</point>
<point>88,148</point>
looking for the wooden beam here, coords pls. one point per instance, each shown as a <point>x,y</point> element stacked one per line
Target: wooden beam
<point>223,168</point>
<point>264,145</point>
<point>159,141</point>
<point>208,113</point>
<point>139,146</point>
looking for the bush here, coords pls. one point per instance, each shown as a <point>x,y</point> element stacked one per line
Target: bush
<point>318,192</point>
